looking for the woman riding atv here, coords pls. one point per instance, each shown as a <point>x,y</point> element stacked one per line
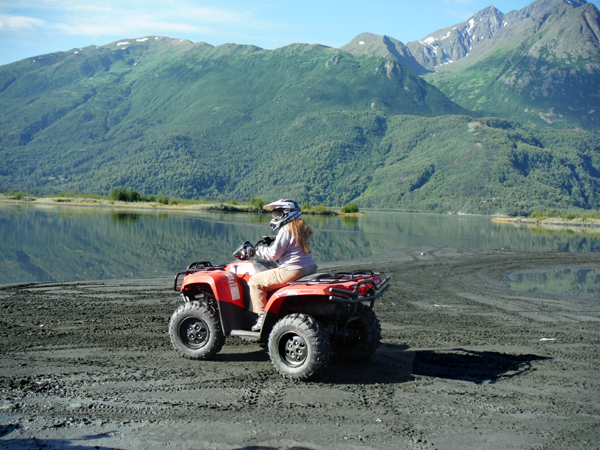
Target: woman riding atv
<point>291,249</point>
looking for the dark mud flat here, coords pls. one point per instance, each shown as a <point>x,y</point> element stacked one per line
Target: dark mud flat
<point>464,364</point>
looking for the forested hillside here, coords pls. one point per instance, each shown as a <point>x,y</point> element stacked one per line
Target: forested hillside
<point>483,165</point>
<point>171,117</point>
<point>323,125</point>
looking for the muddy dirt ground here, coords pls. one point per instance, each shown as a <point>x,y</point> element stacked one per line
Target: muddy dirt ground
<point>464,364</point>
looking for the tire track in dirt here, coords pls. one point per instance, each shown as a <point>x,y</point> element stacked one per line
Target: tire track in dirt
<point>461,365</point>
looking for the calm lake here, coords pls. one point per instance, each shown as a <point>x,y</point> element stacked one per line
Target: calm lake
<point>72,244</point>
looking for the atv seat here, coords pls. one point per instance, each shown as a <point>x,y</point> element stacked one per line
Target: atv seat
<point>315,277</point>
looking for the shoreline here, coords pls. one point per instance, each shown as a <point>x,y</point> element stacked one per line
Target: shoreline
<point>155,206</point>
<point>151,206</point>
<point>549,223</point>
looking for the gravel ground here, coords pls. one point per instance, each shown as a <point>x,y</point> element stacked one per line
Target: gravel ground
<point>464,364</point>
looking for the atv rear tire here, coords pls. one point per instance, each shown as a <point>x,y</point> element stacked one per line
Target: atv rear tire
<point>195,330</point>
<point>298,348</point>
<point>362,337</point>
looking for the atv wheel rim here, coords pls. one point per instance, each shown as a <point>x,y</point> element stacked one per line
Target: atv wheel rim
<point>194,332</point>
<point>293,349</point>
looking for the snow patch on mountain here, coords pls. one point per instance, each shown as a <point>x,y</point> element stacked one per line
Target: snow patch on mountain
<point>471,25</point>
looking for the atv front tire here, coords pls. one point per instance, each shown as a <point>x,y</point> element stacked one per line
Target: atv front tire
<point>360,337</point>
<point>298,348</point>
<point>195,330</point>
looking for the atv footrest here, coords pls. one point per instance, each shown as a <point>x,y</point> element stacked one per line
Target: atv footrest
<point>253,335</point>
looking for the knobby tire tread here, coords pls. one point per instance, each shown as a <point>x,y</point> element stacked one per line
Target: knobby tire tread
<point>370,329</point>
<point>207,311</point>
<point>318,341</point>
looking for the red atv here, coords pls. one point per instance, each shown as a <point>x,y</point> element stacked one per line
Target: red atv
<point>304,321</point>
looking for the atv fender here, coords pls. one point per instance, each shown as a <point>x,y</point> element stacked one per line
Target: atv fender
<point>224,286</point>
<point>277,300</point>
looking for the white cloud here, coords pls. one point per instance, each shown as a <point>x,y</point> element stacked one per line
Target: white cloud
<point>125,18</point>
<point>136,26</point>
<point>34,27</point>
<point>19,23</point>
<point>131,18</point>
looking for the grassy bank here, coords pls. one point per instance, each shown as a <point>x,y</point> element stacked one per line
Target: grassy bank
<point>553,218</point>
<point>131,199</point>
<point>568,216</point>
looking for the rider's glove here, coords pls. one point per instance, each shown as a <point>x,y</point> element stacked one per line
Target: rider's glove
<point>268,240</point>
<point>248,251</point>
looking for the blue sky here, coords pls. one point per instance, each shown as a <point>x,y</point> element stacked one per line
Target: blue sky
<point>34,27</point>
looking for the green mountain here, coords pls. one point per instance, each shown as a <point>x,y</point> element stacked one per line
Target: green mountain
<point>362,123</point>
<point>385,47</point>
<point>539,66</point>
<point>543,70</point>
<point>182,119</point>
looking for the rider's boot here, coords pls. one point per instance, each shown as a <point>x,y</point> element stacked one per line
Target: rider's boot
<point>259,323</point>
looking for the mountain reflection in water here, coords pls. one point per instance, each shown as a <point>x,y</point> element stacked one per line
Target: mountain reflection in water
<point>69,244</point>
<point>569,282</point>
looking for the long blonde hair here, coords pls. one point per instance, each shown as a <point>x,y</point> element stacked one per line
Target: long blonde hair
<point>301,231</point>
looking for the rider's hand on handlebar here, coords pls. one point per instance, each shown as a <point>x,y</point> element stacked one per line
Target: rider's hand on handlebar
<point>268,240</point>
<point>247,252</point>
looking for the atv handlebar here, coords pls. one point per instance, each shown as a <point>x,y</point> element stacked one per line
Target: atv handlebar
<point>242,251</point>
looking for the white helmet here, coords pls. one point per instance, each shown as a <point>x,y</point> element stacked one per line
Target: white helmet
<point>284,211</point>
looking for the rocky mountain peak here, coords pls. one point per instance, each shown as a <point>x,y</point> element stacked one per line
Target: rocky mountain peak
<point>383,46</point>
<point>545,60</point>
<point>450,44</point>
<point>453,43</point>
<point>539,8</point>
